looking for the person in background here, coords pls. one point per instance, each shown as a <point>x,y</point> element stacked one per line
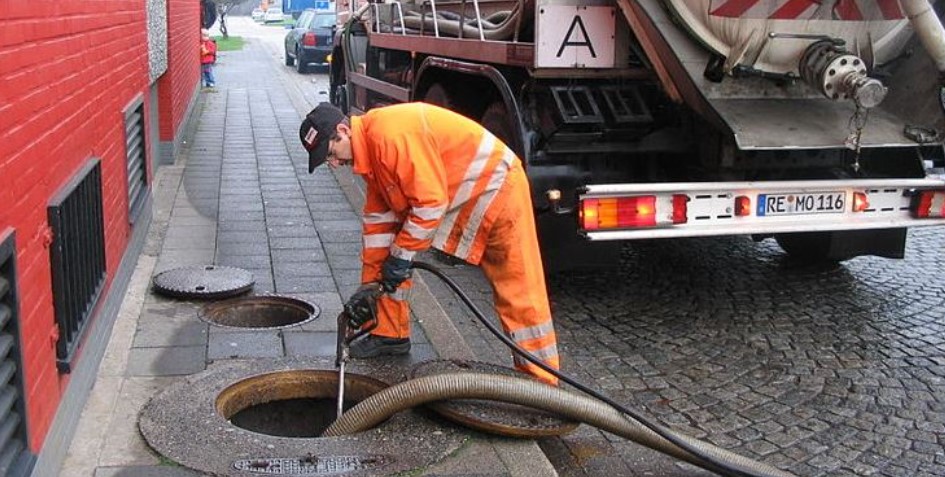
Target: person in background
<point>208,56</point>
<point>437,179</point>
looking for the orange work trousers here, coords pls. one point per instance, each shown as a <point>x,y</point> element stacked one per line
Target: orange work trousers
<point>512,264</point>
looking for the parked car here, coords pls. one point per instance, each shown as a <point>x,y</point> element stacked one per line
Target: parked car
<point>258,14</point>
<point>311,39</point>
<point>273,15</point>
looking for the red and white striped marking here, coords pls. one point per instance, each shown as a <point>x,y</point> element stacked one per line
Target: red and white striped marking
<point>848,10</point>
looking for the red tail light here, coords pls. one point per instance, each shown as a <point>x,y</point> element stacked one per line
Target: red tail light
<point>618,212</point>
<point>308,39</point>
<point>929,204</point>
<point>742,206</point>
<point>680,209</point>
<point>860,202</point>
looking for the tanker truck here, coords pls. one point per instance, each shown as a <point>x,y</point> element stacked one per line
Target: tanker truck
<point>818,123</point>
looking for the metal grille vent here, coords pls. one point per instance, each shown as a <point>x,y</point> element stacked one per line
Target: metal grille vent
<point>77,255</point>
<point>15,459</point>
<point>136,155</point>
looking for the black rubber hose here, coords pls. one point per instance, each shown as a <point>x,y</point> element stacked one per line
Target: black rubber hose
<point>710,462</point>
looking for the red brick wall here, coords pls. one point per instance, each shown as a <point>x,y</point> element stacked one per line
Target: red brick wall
<point>68,68</point>
<point>177,86</point>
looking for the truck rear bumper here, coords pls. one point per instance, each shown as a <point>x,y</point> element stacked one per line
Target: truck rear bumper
<point>646,211</point>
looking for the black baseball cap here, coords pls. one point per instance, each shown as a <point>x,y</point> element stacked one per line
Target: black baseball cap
<point>317,129</point>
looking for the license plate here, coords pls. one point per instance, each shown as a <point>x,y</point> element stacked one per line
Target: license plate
<point>801,203</point>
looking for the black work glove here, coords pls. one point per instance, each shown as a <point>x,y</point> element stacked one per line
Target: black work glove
<point>394,272</point>
<point>362,306</point>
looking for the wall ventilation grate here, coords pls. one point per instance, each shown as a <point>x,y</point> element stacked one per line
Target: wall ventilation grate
<point>77,254</point>
<point>15,458</point>
<point>137,158</point>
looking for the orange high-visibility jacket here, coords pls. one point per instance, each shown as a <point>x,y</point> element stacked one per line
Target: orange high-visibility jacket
<point>433,179</point>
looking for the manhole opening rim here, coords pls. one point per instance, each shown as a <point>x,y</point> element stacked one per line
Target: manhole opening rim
<point>271,382</point>
<point>163,421</point>
<point>315,311</point>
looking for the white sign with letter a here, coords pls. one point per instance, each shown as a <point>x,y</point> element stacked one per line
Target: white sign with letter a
<point>572,36</point>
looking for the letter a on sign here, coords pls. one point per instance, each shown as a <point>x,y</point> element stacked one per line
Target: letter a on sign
<point>571,36</point>
<point>577,23</point>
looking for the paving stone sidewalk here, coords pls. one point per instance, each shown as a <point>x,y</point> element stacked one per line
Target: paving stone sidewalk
<point>240,195</point>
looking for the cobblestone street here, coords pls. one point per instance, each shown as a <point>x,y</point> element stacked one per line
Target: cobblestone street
<point>833,370</point>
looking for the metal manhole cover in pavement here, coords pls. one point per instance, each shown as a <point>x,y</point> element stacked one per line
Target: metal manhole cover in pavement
<point>312,465</point>
<point>207,282</point>
<point>494,417</point>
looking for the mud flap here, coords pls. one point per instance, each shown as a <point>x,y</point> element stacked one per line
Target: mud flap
<point>845,244</point>
<point>563,249</point>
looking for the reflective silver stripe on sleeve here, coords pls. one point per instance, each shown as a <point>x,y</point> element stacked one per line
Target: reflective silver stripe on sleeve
<point>400,294</point>
<point>417,231</point>
<point>380,217</point>
<point>429,213</point>
<point>378,240</point>
<point>401,253</point>
<point>482,205</point>
<point>465,188</point>
<point>544,354</point>
<point>532,332</point>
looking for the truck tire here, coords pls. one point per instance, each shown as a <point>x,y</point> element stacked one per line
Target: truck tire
<point>496,119</point>
<point>289,61</point>
<point>438,95</point>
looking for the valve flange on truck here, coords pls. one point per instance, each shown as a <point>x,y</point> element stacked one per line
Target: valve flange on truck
<point>818,123</point>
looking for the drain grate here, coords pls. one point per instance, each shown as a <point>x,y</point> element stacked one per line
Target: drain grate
<point>206,282</point>
<point>312,465</point>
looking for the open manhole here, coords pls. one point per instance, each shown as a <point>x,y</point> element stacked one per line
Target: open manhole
<point>292,403</point>
<point>494,417</point>
<point>264,311</point>
<point>237,419</point>
<point>203,282</point>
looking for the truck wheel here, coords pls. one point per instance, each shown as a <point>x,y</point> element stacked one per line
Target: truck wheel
<point>300,65</point>
<point>496,119</point>
<point>289,61</point>
<point>438,95</point>
<point>807,247</point>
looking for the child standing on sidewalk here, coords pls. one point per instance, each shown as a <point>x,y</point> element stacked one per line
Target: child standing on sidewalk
<point>208,56</point>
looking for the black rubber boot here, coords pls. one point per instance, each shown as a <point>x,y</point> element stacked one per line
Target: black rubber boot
<point>372,346</point>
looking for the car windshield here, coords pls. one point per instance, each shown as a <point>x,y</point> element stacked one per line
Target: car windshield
<point>324,21</point>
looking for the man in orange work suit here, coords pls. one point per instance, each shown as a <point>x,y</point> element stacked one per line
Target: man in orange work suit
<point>437,179</point>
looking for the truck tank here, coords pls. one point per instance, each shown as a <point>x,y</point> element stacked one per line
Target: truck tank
<point>791,73</point>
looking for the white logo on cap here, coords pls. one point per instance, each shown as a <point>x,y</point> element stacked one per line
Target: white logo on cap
<point>310,136</point>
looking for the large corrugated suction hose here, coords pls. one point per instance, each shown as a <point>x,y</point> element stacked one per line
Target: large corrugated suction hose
<point>379,407</point>
<point>702,454</point>
<point>499,26</point>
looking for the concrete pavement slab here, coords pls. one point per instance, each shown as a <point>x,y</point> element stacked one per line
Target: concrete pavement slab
<point>245,344</point>
<point>170,361</point>
<point>243,177</point>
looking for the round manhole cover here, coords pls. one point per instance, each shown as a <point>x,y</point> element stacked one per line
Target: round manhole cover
<point>493,417</point>
<point>208,281</point>
<point>259,312</point>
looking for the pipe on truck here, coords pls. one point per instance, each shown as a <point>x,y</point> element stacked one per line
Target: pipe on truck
<point>929,29</point>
